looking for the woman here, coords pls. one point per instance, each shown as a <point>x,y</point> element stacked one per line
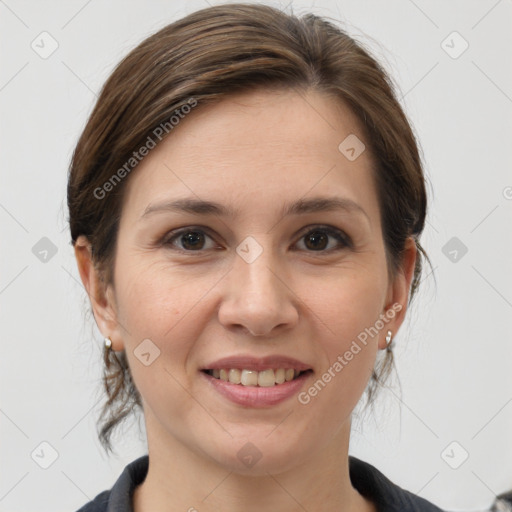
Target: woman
<point>246,202</point>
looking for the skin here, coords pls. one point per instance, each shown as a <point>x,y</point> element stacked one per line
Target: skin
<point>251,152</point>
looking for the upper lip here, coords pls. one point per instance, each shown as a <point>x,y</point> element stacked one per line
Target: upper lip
<point>246,362</point>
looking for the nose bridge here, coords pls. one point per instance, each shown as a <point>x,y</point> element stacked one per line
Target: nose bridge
<point>257,298</point>
<point>256,265</point>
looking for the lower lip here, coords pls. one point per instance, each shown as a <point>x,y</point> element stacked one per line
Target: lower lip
<point>256,396</point>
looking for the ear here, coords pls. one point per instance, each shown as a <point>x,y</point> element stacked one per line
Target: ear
<point>100,294</point>
<point>398,293</point>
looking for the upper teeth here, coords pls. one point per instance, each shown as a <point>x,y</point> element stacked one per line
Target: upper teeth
<point>265,378</point>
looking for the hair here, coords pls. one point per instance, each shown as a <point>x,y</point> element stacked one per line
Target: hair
<point>206,57</point>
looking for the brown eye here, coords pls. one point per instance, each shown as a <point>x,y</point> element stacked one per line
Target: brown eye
<point>316,240</point>
<point>192,240</point>
<point>320,239</point>
<point>189,240</point>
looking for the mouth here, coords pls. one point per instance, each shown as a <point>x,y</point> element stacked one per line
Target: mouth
<point>259,382</point>
<point>266,378</point>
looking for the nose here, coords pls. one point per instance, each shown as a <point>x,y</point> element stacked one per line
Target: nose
<point>258,297</point>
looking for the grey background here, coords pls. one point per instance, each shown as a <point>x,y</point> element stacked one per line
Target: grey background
<point>453,354</point>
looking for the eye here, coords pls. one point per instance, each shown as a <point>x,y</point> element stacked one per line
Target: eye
<point>317,239</point>
<point>191,239</point>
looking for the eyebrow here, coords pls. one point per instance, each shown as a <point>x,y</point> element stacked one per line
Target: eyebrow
<point>302,206</point>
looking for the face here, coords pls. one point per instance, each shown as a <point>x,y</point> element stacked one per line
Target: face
<point>250,248</point>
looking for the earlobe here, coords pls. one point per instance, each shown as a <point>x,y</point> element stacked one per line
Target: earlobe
<point>398,296</point>
<point>101,300</point>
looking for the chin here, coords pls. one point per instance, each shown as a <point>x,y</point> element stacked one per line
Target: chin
<point>257,454</point>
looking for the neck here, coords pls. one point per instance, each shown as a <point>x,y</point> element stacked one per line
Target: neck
<point>179,479</point>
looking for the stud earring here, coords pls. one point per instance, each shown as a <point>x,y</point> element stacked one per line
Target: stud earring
<point>389,339</point>
<point>108,343</point>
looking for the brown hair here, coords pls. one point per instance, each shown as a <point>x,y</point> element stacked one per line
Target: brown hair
<point>205,57</point>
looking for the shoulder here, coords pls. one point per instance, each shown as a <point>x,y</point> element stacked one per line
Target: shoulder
<point>119,497</point>
<point>389,497</point>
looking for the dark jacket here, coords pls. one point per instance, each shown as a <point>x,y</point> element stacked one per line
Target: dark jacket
<point>368,481</point>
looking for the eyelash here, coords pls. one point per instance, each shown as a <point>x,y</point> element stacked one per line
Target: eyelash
<point>339,235</point>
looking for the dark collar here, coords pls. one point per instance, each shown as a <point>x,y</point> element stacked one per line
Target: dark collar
<point>367,479</point>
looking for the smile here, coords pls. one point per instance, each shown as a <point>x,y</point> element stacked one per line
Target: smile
<point>266,378</point>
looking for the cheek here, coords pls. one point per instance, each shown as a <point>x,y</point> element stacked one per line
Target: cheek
<point>157,299</point>
<point>348,310</point>
<point>157,303</point>
<point>348,303</point>
<point>166,304</point>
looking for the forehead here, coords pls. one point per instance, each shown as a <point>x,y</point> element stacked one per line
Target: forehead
<point>262,144</point>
